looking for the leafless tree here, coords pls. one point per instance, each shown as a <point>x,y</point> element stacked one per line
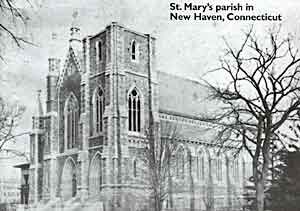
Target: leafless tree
<point>10,115</point>
<point>158,171</point>
<point>12,17</point>
<point>260,95</point>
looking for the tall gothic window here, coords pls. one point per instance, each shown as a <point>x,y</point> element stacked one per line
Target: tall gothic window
<point>219,169</point>
<point>99,50</point>
<point>71,121</point>
<point>98,110</point>
<point>180,161</point>
<point>134,111</point>
<point>236,169</point>
<point>134,51</point>
<point>200,166</point>
<point>135,168</point>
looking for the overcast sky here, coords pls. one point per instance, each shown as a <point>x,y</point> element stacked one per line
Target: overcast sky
<point>183,48</point>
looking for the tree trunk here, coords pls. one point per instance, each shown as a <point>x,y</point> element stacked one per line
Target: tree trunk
<point>170,185</point>
<point>260,180</point>
<point>260,195</point>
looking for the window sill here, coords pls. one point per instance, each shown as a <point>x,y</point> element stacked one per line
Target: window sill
<point>136,134</point>
<point>135,61</point>
<point>96,135</point>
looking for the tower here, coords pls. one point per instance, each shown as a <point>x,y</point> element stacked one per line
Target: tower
<point>36,151</point>
<point>116,60</point>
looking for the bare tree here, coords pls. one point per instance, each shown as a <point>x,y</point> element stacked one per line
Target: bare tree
<point>10,115</point>
<point>12,17</point>
<point>261,93</point>
<point>158,172</point>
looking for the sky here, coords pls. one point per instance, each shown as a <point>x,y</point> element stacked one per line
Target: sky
<point>186,48</point>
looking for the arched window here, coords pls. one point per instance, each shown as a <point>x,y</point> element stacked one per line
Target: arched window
<point>99,50</point>
<point>134,51</point>
<point>219,169</point>
<point>98,105</point>
<point>236,169</point>
<point>71,121</point>
<point>95,176</point>
<point>134,168</point>
<point>68,179</point>
<point>200,166</point>
<point>180,161</point>
<point>134,111</point>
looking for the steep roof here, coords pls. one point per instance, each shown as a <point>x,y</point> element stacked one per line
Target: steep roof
<point>73,58</point>
<point>183,96</point>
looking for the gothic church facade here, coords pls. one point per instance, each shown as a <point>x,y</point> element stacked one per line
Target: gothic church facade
<point>100,95</point>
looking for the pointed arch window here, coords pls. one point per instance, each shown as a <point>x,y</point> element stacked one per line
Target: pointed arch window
<point>98,110</point>
<point>99,47</point>
<point>134,111</point>
<point>99,51</point>
<point>71,121</point>
<point>236,169</point>
<point>219,169</point>
<point>95,175</point>
<point>200,166</point>
<point>180,161</point>
<point>134,51</point>
<point>135,168</point>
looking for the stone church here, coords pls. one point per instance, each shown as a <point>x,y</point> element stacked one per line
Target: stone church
<point>101,88</point>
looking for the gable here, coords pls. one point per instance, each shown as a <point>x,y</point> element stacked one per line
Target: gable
<point>72,65</point>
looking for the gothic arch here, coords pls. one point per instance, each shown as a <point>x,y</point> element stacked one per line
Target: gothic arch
<point>180,159</point>
<point>69,179</point>
<point>220,173</point>
<point>134,51</point>
<point>71,119</point>
<point>98,106</point>
<point>135,106</point>
<point>71,96</point>
<point>202,164</point>
<point>135,167</point>
<point>95,175</point>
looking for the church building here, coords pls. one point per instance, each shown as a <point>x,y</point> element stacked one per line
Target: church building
<point>97,99</point>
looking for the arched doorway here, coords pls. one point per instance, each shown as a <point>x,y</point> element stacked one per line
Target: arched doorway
<point>69,180</point>
<point>95,176</point>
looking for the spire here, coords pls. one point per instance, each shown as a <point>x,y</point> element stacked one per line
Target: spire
<point>75,40</point>
<point>54,61</point>
<point>39,111</point>
<point>53,45</point>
